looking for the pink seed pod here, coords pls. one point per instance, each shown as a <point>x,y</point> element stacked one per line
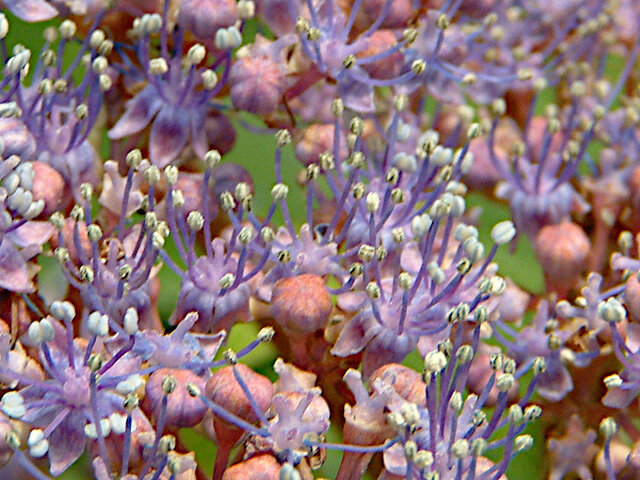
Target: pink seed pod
<point>48,186</point>
<point>405,381</point>
<point>257,85</point>
<point>562,251</point>
<point>225,390</point>
<point>183,410</point>
<point>301,304</point>
<point>261,467</point>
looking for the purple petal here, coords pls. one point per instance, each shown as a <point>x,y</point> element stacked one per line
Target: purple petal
<point>169,134</point>
<point>139,112</point>
<point>32,233</point>
<point>395,460</point>
<point>67,442</point>
<point>356,95</point>
<point>31,10</point>
<point>619,397</point>
<point>355,336</point>
<point>14,275</point>
<point>198,135</point>
<point>555,382</point>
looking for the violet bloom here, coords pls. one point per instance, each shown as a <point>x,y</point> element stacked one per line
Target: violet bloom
<point>475,58</point>
<point>573,452</point>
<point>177,94</point>
<point>585,308</point>
<point>59,113</point>
<point>419,306</point>
<point>450,433</point>
<point>112,270</point>
<point>545,339</point>
<point>325,41</point>
<point>536,180</point>
<point>77,394</point>
<point>218,284</point>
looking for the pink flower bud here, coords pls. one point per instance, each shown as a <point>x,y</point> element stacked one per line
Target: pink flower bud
<point>224,390</point>
<point>261,467</point>
<point>562,250</point>
<point>203,18</point>
<point>220,133</point>
<point>398,13</point>
<point>632,298</point>
<point>315,140</point>
<point>48,186</point>
<point>257,85</point>
<point>387,67</point>
<point>183,410</point>
<point>301,304</point>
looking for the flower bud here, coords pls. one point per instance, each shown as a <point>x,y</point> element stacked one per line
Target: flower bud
<point>301,304</point>
<point>182,409</point>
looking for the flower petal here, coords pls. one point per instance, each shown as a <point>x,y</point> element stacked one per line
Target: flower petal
<point>169,134</point>
<point>139,112</point>
<point>67,442</point>
<point>356,95</point>
<point>356,335</point>
<point>14,274</point>
<point>31,10</point>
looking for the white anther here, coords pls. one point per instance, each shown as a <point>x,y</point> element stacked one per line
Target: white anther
<point>130,385</point>
<point>441,156</point>
<point>63,311</point>
<point>12,404</point>
<point>279,191</point>
<point>67,29</point>
<point>612,310</point>
<point>227,38</point>
<point>404,162</point>
<point>91,431</point>
<point>434,362</point>
<point>158,66</point>
<point>4,26</point>
<point>98,324</point>
<point>435,273</point>
<point>503,232</point>
<point>131,321</point>
<point>38,444</point>
<point>227,280</point>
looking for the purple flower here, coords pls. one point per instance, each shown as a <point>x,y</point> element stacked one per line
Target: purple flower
<point>67,405</point>
<point>175,100</point>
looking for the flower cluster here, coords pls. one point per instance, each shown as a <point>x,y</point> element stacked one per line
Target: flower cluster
<point>365,319</point>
